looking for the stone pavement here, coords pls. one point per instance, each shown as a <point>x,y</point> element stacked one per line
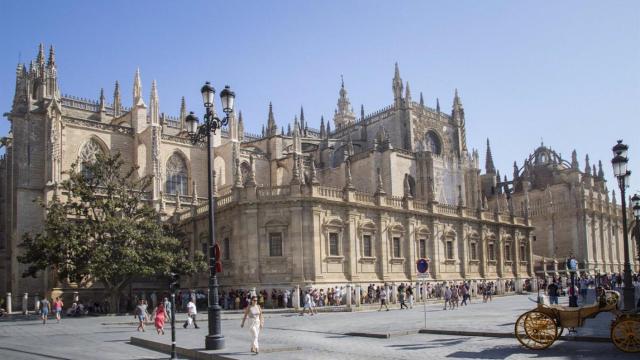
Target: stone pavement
<point>289,336</point>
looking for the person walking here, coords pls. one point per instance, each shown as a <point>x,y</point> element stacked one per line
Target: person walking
<point>447,298</point>
<point>401,296</point>
<point>159,318</point>
<point>45,306</point>
<point>191,314</point>
<point>410,296</point>
<point>383,298</point>
<point>57,308</point>
<point>167,309</point>
<point>465,293</point>
<point>307,304</point>
<point>140,313</point>
<point>552,291</point>
<point>254,312</point>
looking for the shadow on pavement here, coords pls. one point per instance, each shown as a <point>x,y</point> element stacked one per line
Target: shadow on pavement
<point>436,343</point>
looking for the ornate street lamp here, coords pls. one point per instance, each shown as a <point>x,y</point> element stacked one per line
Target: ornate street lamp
<point>198,132</point>
<point>621,172</point>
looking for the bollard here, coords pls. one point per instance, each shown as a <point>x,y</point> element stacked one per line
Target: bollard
<point>393,293</point>
<point>349,296</point>
<point>9,308</point>
<point>296,298</point>
<point>358,295</point>
<point>25,301</point>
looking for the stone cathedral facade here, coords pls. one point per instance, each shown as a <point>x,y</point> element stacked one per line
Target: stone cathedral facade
<point>357,201</point>
<point>570,208</point>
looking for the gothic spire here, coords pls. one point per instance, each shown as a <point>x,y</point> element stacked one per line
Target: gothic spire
<point>289,133</point>
<point>40,58</point>
<point>303,124</point>
<point>421,99</point>
<point>361,112</point>
<point>272,128</point>
<point>594,171</point>
<point>137,89</point>
<point>397,87</point>
<point>600,171</point>
<point>489,168</point>
<point>183,113</point>
<point>102,102</point>
<point>574,160</point>
<point>117,101</point>
<point>407,95</point>
<point>587,166</point>
<point>52,57</point>
<point>438,105</point>
<point>328,129</point>
<point>237,177</point>
<point>323,133</point>
<point>515,171</point>
<point>154,104</point>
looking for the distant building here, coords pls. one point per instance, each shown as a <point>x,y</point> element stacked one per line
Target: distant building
<point>360,203</point>
<point>570,209</point>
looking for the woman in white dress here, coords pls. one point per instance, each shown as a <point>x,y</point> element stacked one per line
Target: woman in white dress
<point>254,312</point>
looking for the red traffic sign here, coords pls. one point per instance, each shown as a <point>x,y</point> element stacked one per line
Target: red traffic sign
<point>422,265</point>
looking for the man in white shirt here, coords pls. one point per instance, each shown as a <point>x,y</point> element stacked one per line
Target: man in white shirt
<point>307,304</point>
<point>191,314</point>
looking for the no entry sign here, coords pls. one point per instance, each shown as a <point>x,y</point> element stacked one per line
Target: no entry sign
<point>422,266</point>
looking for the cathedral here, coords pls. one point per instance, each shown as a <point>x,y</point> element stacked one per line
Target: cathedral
<point>571,211</point>
<point>358,200</point>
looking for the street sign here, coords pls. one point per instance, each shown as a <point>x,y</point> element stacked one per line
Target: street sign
<point>422,265</point>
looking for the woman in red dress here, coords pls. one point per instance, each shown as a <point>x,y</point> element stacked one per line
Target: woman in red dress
<point>160,315</point>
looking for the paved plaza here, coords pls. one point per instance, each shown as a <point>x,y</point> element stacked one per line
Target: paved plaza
<point>332,335</point>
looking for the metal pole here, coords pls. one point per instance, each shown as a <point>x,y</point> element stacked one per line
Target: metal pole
<point>215,339</point>
<point>629,290</point>
<point>174,355</point>
<point>424,295</point>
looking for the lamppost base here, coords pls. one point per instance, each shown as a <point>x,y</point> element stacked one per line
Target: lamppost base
<point>628,297</point>
<point>214,342</point>
<point>573,301</point>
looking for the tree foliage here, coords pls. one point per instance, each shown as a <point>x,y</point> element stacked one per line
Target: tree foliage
<point>103,229</point>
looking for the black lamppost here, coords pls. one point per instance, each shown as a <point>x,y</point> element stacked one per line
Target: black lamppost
<point>214,340</point>
<point>620,171</point>
<point>635,200</point>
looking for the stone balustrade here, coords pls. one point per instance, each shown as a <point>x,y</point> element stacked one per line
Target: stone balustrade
<point>230,196</point>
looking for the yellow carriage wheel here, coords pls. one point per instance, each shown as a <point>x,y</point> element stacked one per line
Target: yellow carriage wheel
<point>625,334</point>
<point>536,330</point>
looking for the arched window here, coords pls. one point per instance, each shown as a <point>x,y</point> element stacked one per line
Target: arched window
<point>432,142</point>
<point>88,155</point>
<point>177,176</point>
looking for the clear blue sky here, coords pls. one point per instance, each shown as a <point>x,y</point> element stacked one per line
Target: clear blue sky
<point>563,71</point>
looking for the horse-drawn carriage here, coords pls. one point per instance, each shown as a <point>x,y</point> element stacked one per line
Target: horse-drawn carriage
<point>539,328</point>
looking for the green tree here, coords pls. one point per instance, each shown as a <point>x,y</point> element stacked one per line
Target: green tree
<point>102,229</point>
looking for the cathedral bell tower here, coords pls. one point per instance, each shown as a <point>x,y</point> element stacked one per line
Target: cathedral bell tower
<point>343,115</point>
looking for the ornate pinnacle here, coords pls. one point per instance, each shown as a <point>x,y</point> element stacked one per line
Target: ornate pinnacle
<point>295,180</point>
<point>348,180</point>
<point>52,57</point>
<point>238,175</point>
<point>380,188</point>
<point>40,58</point>
<point>314,176</point>
<point>251,177</point>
